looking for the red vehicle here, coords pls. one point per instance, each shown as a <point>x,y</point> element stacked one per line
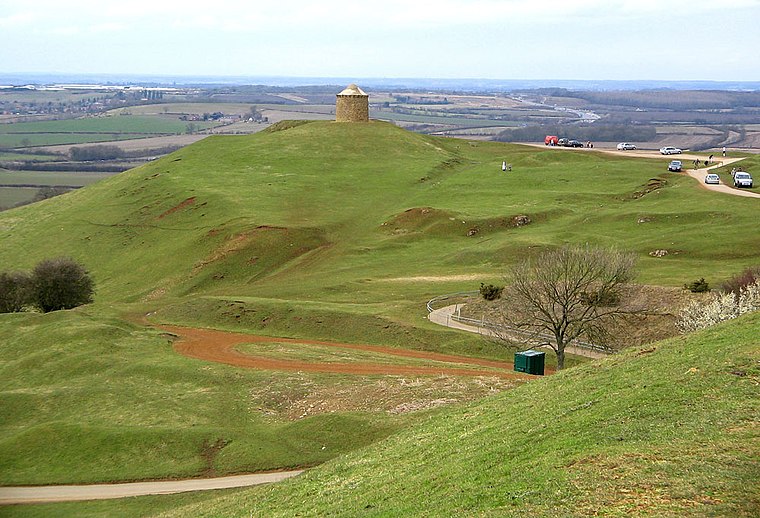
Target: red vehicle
<point>551,140</point>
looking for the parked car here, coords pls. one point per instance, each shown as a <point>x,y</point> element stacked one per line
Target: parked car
<point>550,140</point>
<point>712,178</point>
<point>669,150</point>
<point>675,166</point>
<point>625,146</point>
<point>563,142</point>
<point>574,143</point>
<point>742,179</point>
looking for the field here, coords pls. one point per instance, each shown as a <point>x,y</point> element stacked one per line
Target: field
<point>316,231</point>
<point>89,129</point>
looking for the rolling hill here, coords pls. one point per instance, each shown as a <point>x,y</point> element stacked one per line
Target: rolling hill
<point>666,430</point>
<point>321,231</point>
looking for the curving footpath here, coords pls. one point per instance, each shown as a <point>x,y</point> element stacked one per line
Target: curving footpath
<point>49,494</point>
<point>443,316</point>
<point>699,175</point>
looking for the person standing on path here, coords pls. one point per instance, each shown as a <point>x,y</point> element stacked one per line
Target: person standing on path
<point>724,150</point>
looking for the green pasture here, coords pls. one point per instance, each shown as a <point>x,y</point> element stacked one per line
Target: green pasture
<point>104,124</point>
<point>92,130</point>
<point>69,178</point>
<point>433,118</point>
<point>313,230</point>
<point>89,398</point>
<point>10,196</point>
<point>22,140</point>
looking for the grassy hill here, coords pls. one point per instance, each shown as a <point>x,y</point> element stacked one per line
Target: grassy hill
<point>325,207</point>
<point>667,430</point>
<point>314,230</point>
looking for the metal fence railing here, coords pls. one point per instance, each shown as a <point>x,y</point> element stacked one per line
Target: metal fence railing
<point>494,328</point>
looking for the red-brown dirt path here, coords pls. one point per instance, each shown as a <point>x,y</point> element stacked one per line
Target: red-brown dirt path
<point>219,346</point>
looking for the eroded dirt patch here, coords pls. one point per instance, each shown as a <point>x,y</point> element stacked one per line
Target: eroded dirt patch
<point>180,206</point>
<point>220,347</point>
<point>299,395</point>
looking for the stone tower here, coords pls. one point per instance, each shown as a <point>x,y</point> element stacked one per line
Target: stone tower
<point>352,105</point>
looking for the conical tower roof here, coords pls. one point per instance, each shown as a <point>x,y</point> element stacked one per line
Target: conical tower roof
<point>352,89</point>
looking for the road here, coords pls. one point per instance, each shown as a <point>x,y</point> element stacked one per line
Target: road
<point>48,494</point>
<point>687,158</point>
<point>699,175</point>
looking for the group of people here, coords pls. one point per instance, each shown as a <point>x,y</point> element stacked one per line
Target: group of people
<point>709,159</point>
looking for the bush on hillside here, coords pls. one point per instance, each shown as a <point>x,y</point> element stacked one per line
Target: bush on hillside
<point>61,283</point>
<point>698,286</point>
<point>15,291</point>
<point>490,292</point>
<point>721,307</point>
<point>738,282</point>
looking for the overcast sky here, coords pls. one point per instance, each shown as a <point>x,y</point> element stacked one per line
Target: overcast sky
<point>496,39</point>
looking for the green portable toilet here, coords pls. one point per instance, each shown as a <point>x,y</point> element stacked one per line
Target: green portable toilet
<point>530,362</point>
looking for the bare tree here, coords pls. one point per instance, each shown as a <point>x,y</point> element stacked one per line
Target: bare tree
<point>565,295</point>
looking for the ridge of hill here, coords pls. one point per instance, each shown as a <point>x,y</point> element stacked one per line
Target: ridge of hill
<point>666,430</point>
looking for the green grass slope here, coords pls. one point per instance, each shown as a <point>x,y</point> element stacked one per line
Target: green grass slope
<point>669,430</point>
<point>85,398</point>
<point>320,211</point>
<point>315,230</point>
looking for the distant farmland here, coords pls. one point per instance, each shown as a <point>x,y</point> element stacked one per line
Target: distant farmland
<point>92,129</point>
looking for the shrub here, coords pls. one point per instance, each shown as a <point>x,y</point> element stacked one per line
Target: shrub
<point>736,283</point>
<point>600,298</point>
<point>15,291</point>
<point>61,283</point>
<point>723,306</point>
<point>99,152</point>
<point>699,286</point>
<point>489,291</point>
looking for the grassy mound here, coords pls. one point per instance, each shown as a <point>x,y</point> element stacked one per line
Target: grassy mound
<point>666,430</point>
<point>322,207</point>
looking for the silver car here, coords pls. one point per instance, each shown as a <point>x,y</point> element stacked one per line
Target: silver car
<point>626,146</point>
<point>669,150</point>
<point>712,178</point>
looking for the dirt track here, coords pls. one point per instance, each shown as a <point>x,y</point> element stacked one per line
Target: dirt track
<point>220,347</point>
<point>47,494</point>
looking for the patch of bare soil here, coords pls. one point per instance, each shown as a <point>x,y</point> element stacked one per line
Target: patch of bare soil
<point>435,278</point>
<point>300,396</point>
<point>179,206</point>
<point>220,347</point>
<point>652,185</point>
